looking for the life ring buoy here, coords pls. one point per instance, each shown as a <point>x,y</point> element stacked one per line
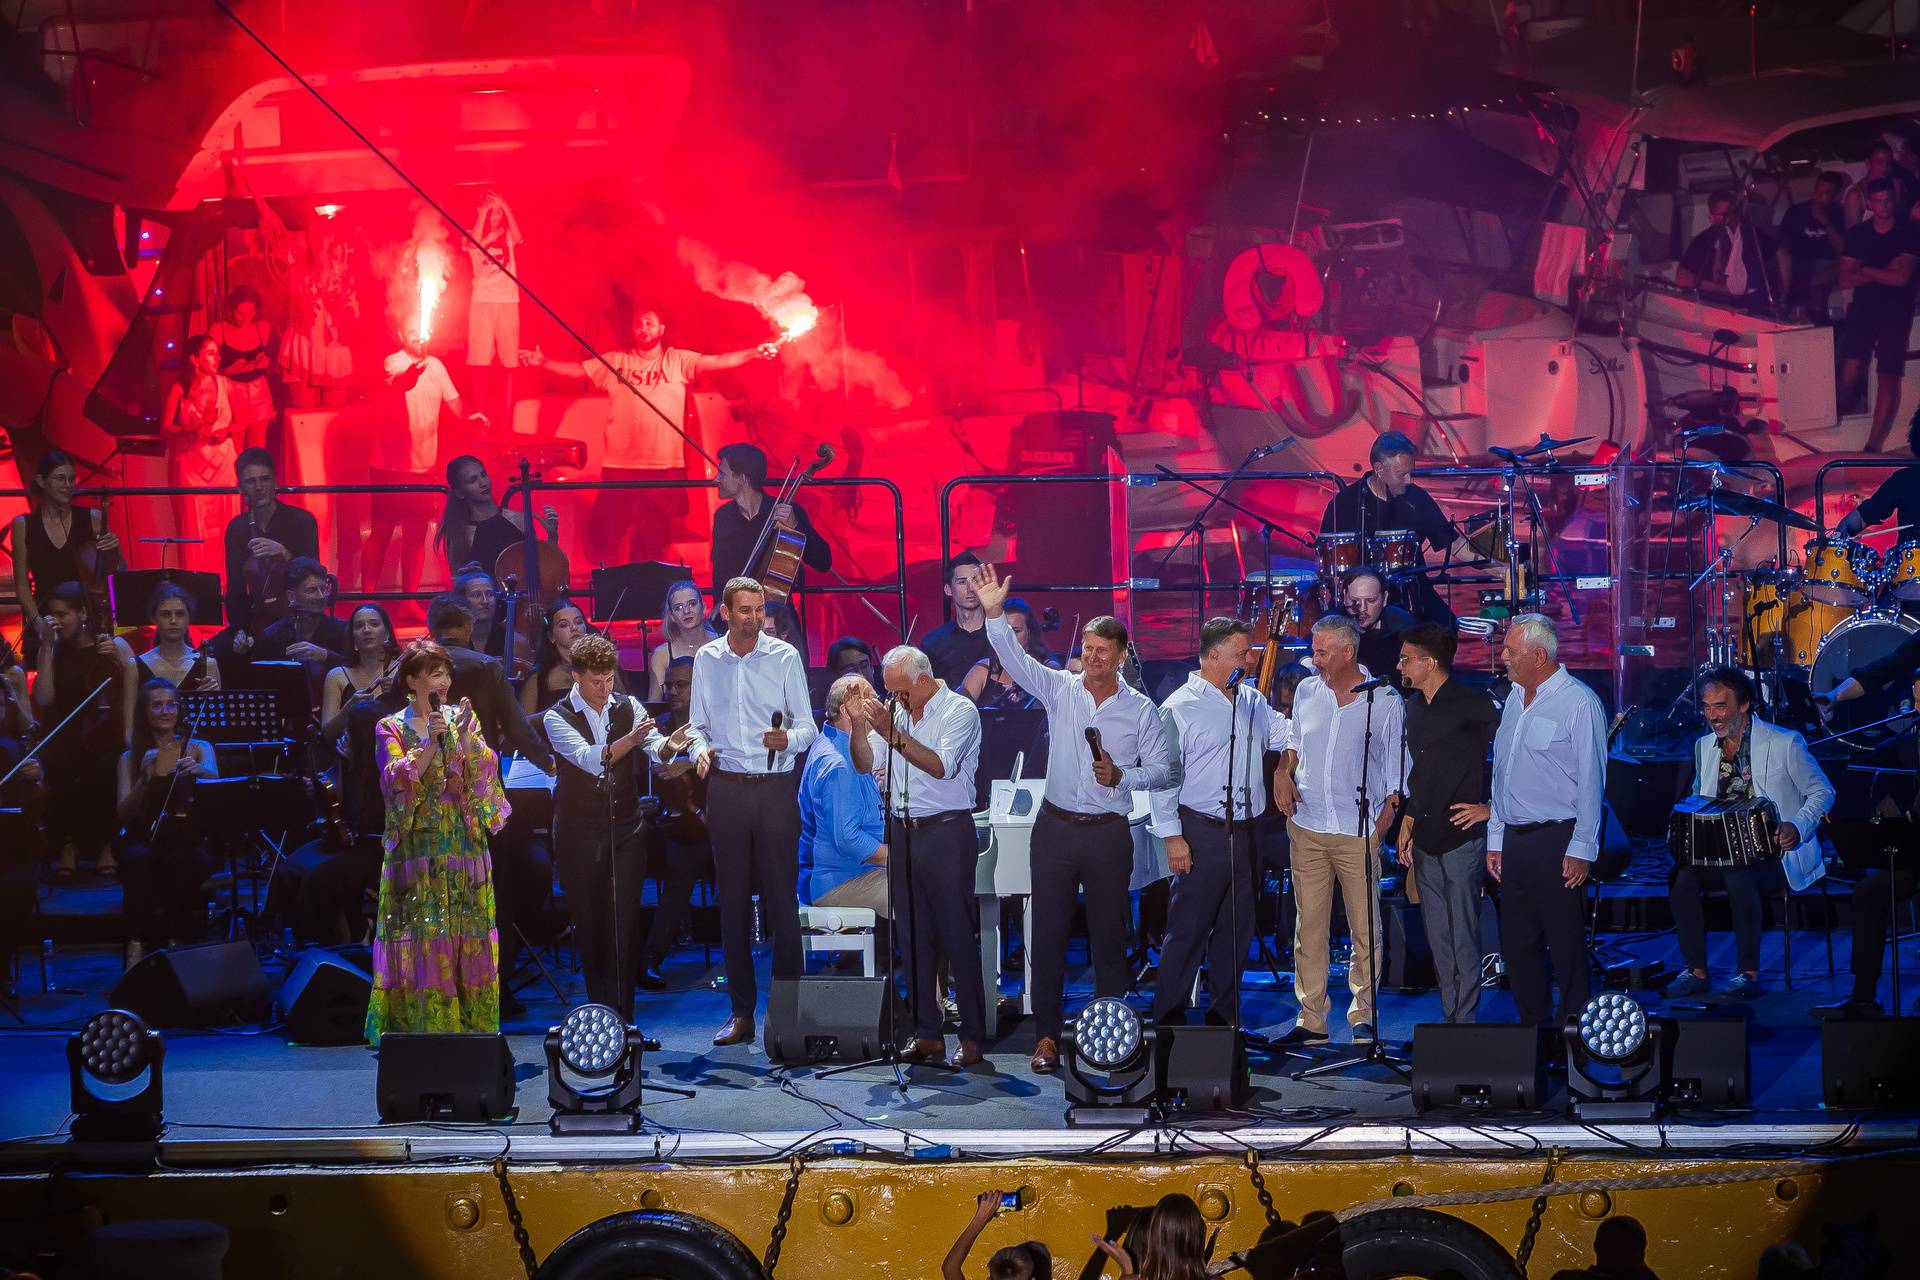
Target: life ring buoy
<point>651,1243</point>
<point>1270,282</point>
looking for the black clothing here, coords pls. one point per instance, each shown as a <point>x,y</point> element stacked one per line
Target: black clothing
<point>1706,258</point>
<point>483,682</point>
<point>1809,245</point>
<point>598,837</point>
<point>1211,916</point>
<point>1686,897</point>
<point>753,820</point>
<point>289,526</point>
<point>48,565</point>
<point>194,680</point>
<point>953,652</point>
<point>1896,668</point>
<point>329,632</point>
<point>1873,898</point>
<point>936,916</point>
<point>1448,740</point>
<point>79,760</point>
<point>734,537</point>
<point>1898,493</point>
<point>1094,856</point>
<point>580,799</point>
<point>361,801</point>
<point>1542,921</point>
<point>1871,247</point>
<point>1355,510</point>
<point>490,537</point>
<point>1380,645</point>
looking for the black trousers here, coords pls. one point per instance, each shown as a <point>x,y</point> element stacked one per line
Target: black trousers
<point>681,865</point>
<point>1873,899</point>
<point>1686,899</point>
<point>936,916</point>
<point>603,921</point>
<point>523,888</point>
<point>161,890</point>
<point>1211,918</point>
<point>753,820</point>
<point>1540,922</point>
<point>1069,858</point>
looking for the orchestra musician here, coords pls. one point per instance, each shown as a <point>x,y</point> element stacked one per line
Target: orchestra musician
<point>959,645</point>
<point>54,542</point>
<point>163,861</point>
<point>81,668</point>
<point>686,855</point>
<point>1211,915</point>
<point>598,740</point>
<point>172,658</point>
<point>741,518</point>
<point>1387,498</point>
<point>476,529</point>
<point>308,635</point>
<point>259,542</point>
<point>925,741</point>
<point>1106,740</point>
<point>988,683</point>
<point>376,658</point>
<point>751,721</point>
<point>683,629</point>
<point>1744,757</point>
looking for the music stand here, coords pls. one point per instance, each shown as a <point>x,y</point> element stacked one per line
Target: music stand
<point>633,592</point>
<point>128,591</point>
<point>1897,841</point>
<point>240,811</point>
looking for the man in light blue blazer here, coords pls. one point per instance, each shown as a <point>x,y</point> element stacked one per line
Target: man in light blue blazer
<point>1746,757</point>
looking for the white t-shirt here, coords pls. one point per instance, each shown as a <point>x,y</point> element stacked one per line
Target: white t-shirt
<point>635,435</point>
<point>424,399</point>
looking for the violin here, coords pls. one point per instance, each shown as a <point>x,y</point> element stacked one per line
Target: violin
<point>776,557</point>
<point>266,578</point>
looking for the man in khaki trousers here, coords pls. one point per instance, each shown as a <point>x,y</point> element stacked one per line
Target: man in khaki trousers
<point>1343,749</point>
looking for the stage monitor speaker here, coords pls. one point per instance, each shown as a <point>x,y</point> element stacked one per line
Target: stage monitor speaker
<point>1867,1063</point>
<point>1409,959</point>
<point>1489,1067</point>
<point>1204,1065</point>
<point>825,1019</point>
<point>324,1000</point>
<point>216,984</point>
<point>1708,1064</point>
<point>427,1076</point>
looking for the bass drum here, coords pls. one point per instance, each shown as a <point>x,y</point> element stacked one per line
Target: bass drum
<point>1851,645</point>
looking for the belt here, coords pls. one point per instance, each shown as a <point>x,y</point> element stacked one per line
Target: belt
<point>1208,818</point>
<point>734,776</point>
<point>1528,828</point>
<point>1081,819</point>
<point>933,819</point>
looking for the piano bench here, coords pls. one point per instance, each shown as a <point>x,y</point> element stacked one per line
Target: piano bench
<point>839,929</point>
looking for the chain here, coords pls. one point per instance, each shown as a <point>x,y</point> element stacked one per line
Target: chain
<point>1539,1210</point>
<point>772,1259</point>
<point>520,1238</point>
<point>1260,1187</point>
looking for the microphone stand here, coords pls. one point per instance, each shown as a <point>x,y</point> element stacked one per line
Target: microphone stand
<point>1253,1041</point>
<point>1376,1054</point>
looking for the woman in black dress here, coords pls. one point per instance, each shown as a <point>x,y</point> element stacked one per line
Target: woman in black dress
<point>173,657</point>
<point>52,540</point>
<point>164,862</point>
<point>90,674</point>
<point>476,529</point>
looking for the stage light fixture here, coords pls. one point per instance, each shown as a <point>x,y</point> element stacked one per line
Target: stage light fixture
<point>593,1073</point>
<point>1107,1062</point>
<point>107,1059</point>
<point>1614,1069</point>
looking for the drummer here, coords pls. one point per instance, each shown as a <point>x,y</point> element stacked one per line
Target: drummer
<point>1898,494</point>
<point>1386,498</point>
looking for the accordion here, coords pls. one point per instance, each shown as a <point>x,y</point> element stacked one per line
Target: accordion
<point>1705,832</point>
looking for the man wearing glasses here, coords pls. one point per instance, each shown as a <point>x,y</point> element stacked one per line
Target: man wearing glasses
<point>1443,831</point>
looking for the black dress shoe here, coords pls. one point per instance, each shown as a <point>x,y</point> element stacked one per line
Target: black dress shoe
<point>1846,1009</point>
<point>651,980</point>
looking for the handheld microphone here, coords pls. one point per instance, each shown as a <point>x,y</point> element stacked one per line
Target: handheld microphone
<point>1093,743</point>
<point>771,752</point>
<point>1378,682</point>
<point>433,704</point>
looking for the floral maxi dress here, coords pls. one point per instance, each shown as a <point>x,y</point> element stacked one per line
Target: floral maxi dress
<point>435,947</point>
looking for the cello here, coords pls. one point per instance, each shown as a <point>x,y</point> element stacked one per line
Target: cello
<point>510,571</point>
<point>776,557</point>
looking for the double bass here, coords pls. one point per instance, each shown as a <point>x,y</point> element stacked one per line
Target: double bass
<point>776,557</point>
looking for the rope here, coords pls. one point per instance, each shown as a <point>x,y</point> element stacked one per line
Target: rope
<point>779,1237</point>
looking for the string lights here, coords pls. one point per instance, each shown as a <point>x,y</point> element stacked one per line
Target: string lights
<point>1405,117</point>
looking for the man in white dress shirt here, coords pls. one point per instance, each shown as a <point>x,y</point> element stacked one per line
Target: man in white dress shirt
<point>752,723</point>
<point>1105,739</point>
<point>596,815</point>
<point>1543,828</point>
<point>1211,915</point>
<point>1342,747</point>
<point>923,744</point>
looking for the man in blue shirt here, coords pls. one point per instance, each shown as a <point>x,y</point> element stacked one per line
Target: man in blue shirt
<point>843,859</point>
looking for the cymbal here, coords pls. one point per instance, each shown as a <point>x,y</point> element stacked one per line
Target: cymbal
<point>1726,502</point>
<point>1548,442</point>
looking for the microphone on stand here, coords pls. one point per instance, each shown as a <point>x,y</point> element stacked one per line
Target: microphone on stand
<point>771,751</point>
<point>1378,682</point>
<point>1233,681</point>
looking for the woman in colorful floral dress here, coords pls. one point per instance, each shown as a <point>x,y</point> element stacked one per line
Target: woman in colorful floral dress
<point>435,948</point>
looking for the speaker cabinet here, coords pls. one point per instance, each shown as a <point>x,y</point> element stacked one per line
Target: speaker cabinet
<point>825,1019</point>
<point>1409,958</point>
<point>1707,1062</point>
<point>324,1000</point>
<point>426,1076</point>
<point>1491,1067</point>
<point>218,984</point>
<point>1866,1063</point>
<point>1205,1065</point>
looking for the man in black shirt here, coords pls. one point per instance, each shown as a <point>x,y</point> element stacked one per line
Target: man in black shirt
<point>1387,498</point>
<point>1812,237</point>
<point>956,645</point>
<point>743,514</point>
<point>267,529</point>
<point>1443,835</point>
<point>308,635</point>
<point>1878,265</point>
<point>1380,623</point>
<point>1898,495</point>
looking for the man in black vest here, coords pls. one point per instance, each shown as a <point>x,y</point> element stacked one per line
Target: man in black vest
<point>596,815</point>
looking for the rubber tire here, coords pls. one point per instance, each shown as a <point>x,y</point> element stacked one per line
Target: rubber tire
<point>651,1243</point>
<point>1422,1242</point>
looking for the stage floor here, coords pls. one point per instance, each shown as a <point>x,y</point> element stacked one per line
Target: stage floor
<point>228,1090</point>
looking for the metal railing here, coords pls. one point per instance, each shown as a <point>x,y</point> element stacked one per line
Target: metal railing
<point>1847,464</point>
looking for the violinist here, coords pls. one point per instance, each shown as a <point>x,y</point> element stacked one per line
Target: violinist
<point>163,861</point>
<point>476,529</point>
<point>744,512</point>
<point>683,629</point>
<point>563,623</point>
<point>259,542</point>
<point>87,673</point>
<point>16,708</point>
<point>57,541</point>
<point>682,850</point>
<point>369,677</point>
<point>173,658</point>
<point>988,684</point>
<point>309,635</point>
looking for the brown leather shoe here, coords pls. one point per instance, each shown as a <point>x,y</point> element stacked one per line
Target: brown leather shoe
<point>919,1050</point>
<point>968,1054</point>
<point>1046,1056</point>
<point>737,1031</point>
